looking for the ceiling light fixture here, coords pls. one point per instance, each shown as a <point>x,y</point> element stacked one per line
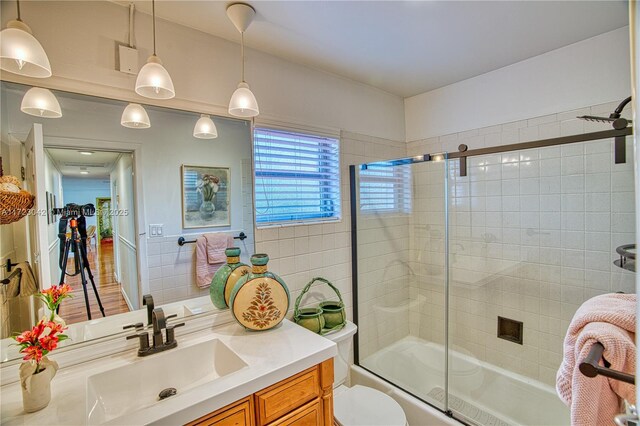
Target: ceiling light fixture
<point>41,103</point>
<point>20,52</point>
<point>243,103</point>
<point>86,152</point>
<point>153,80</point>
<point>135,116</point>
<point>205,128</point>
<point>84,172</point>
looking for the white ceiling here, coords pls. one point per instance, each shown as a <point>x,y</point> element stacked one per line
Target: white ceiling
<point>404,47</point>
<point>70,162</point>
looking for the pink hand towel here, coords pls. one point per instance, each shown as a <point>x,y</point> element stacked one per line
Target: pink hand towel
<point>611,320</point>
<point>205,270</point>
<point>216,245</point>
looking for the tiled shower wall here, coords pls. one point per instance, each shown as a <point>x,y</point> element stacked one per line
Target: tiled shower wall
<point>532,235</point>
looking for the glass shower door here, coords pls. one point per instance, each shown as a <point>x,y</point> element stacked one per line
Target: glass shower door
<point>400,209</point>
<point>533,234</point>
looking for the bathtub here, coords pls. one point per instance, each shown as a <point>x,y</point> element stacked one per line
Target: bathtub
<point>480,393</point>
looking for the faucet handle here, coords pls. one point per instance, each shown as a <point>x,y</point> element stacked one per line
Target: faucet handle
<point>137,326</point>
<point>144,340</point>
<point>170,338</point>
<point>171,316</point>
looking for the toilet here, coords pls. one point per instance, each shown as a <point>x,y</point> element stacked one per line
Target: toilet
<point>359,405</point>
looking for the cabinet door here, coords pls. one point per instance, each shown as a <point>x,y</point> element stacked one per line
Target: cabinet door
<point>307,415</point>
<point>287,395</point>
<point>237,414</point>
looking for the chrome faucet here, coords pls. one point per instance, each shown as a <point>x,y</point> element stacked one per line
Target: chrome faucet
<point>159,322</point>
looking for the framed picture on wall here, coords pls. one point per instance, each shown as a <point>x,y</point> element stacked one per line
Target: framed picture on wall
<point>205,196</point>
<point>55,216</point>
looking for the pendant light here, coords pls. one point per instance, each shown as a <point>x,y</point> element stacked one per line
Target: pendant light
<point>41,103</point>
<point>205,128</point>
<point>134,116</point>
<point>153,80</point>
<point>243,103</point>
<point>20,52</point>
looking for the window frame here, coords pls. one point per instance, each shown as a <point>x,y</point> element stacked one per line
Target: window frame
<point>313,217</point>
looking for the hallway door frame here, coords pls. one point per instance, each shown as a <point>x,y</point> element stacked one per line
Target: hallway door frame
<point>138,193</point>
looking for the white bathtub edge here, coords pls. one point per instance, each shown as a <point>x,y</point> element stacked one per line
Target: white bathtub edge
<point>418,413</point>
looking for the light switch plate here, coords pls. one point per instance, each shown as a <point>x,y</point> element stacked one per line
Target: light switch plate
<point>155,230</point>
<point>128,59</point>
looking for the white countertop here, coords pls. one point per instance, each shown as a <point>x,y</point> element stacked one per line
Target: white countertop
<point>271,356</point>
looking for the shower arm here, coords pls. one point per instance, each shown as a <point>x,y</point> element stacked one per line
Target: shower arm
<point>618,110</point>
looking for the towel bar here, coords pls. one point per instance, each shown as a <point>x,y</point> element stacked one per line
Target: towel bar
<point>181,241</point>
<point>590,366</point>
<point>11,275</point>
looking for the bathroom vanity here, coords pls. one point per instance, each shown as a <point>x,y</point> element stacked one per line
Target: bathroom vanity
<point>223,375</point>
<point>303,399</point>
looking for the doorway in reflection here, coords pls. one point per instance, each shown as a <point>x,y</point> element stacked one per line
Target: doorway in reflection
<point>104,179</point>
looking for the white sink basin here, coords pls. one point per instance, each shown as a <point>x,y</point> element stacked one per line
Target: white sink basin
<point>123,390</point>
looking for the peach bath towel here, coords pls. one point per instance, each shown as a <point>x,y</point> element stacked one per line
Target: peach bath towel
<point>611,320</point>
<point>210,256</point>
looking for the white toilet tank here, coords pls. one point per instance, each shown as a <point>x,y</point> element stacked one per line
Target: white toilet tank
<point>344,339</point>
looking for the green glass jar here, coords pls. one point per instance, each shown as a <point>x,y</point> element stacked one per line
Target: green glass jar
<point>260,299</point>
<point>226,278</point>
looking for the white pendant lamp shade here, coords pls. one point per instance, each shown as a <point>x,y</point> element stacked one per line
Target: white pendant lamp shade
<point>21,53</point>
<point>135,116</point>
<point>205,128</point>
<point>243,103</point>
<point>41,103</point>
<point>154,81</point>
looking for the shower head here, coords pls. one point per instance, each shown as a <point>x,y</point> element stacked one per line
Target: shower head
<point>617,122</point>
<point>614,118</point>
<point>596,119</point>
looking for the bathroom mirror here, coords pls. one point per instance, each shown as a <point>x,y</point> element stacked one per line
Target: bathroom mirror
<point>144,182</point>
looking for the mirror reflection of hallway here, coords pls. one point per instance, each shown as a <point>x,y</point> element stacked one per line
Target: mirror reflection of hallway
<point>87,177</point>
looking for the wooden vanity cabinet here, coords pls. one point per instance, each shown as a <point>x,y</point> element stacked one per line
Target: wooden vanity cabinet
<point>304,399</point>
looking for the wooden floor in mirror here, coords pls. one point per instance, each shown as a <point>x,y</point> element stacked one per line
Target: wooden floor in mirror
<point>102,266</point>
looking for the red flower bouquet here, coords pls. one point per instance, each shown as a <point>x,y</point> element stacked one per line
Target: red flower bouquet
<point>39,341</point>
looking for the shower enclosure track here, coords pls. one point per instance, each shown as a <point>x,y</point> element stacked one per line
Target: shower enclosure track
<point>462,154</point>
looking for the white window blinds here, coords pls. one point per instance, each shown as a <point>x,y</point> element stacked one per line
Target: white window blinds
<point>297,177</point>
<point>385,188</point>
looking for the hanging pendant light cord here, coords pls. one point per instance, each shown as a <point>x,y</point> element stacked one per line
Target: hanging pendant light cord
<point>153,11</point>
<point>18,7</point>
<point>242,53</point>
